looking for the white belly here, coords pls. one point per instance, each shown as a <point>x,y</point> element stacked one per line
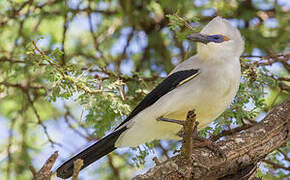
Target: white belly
<point>208,96</point>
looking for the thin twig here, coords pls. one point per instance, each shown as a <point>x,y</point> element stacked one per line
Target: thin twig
<point>284,154</point>
<point>68,117</point>
<point>90,21</point>
<point>269,60</point>
<point>115,169</point>
<point>275,165</point>
<point>156,161</point>
<point>164,151</point>
<point>24,87</point>
<point>230,132</point>
<point>284,87</point>
<point>39,121</point>
<point>10,141</point>
<point>123,55</point>
<point>65,28</point>
<point>284,79</point>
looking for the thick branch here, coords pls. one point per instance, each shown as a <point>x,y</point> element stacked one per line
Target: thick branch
<point>243,150</point>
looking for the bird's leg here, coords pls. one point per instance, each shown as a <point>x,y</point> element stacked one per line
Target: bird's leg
<point>195,132</point>
<point>186,149</point>
<point>201,141</point>
<point>180,122</point>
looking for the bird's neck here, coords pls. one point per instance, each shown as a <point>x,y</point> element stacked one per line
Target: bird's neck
<point>216,53</point>
<point>217,57</point>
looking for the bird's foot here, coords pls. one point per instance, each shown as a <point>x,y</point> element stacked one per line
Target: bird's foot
<point>200,142</point>
<point>181,133</point>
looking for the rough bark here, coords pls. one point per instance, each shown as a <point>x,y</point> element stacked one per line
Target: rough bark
<point>243,150</point>
<point>45,172</point>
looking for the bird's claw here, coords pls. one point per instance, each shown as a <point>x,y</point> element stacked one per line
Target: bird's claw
<point>203,142</point>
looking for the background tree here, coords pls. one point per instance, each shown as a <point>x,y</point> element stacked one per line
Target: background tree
<point>70,70</point>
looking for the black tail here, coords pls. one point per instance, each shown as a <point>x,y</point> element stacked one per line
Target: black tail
<point>91,154</point>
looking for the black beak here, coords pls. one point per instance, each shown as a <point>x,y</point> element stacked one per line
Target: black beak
<point>197,37</point>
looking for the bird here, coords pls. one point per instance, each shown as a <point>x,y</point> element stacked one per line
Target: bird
<point>206,82</point>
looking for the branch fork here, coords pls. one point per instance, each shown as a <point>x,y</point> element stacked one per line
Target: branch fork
<point>45,172</point>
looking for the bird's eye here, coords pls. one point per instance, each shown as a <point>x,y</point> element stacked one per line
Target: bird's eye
<point>218,38</point>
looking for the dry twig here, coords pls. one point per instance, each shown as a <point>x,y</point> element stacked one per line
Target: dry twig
<point>77,167</point>
<point>45,172</point>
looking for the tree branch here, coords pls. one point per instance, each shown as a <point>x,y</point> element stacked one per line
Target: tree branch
<point>243,149</point>
<point>275,165</point>
<point>45,172</point>
<point>77,167</point>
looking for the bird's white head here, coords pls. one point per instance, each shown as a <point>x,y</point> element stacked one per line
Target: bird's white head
<point>232,46</point>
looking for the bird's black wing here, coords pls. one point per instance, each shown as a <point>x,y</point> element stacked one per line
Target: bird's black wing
<point>171,82</point>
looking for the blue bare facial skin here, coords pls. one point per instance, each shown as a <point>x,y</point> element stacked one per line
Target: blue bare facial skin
<point>217,38</point>
<point>197,37</point>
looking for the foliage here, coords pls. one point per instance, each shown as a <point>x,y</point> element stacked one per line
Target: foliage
<point>86,64</point>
